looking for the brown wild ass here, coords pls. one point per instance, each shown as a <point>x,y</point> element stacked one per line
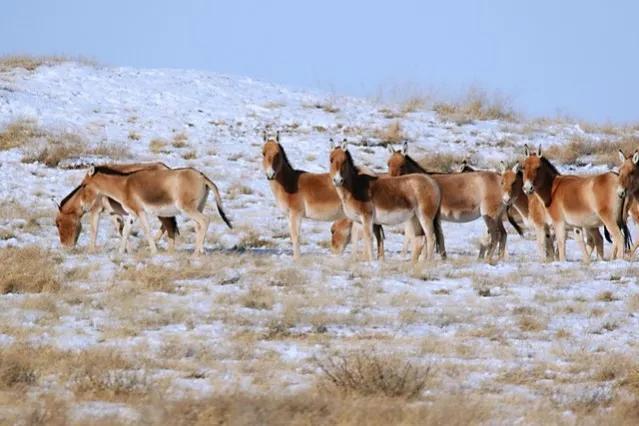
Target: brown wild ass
<point>71,209</point>
<point>387,200</point>
<point>465,196</point>
<point>584,202</point>
<point>629,187</point>
<point>533,212</point>
<point>157,192</point>
<point>301,194</point>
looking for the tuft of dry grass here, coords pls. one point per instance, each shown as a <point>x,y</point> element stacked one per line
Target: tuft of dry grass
<point>158,145</point>
<point>28,269</point>
<point>134,136</point>
<point>16,366</point>
<point>601,151</point>
<point>441,161</point>
<point>367,373</point>
<point>391,134</point>
<point>412,104</point>
<point>476,105</point>
<point>180,140</point>
<point>258,297</point>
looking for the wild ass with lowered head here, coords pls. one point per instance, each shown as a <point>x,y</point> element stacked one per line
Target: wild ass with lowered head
<point>387,200</point>
<point>579,201</point>
<point>160,193</point>
<point>71,209</point>
<point>301,194</point>
<point>465,196</point>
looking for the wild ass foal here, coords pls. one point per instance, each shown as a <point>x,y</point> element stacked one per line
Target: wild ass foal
<point>304,195</point>
<point>465,196</point>
<point>580,201</point>
<point>71,209</point>
<point>157,192</point>
<point>387,200</point>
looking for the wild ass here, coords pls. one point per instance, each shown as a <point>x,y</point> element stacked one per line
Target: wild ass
<point>629,187</point>
<point>579,201</point>
<point>71,209</point>
<point>465,196</point>
<point>157,192</point>
<point>301,194</point>
<point>387,200</point>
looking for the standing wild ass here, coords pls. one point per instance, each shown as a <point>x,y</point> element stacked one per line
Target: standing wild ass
<point>629,187</point>
<point>465,196</point>
<point>72,207</point>
<point>387,200</point>
<point>579,201</point>
<point>301,194</point>
<point>158,192</point>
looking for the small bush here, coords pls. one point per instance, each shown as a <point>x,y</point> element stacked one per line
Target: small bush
<point>392,134</point>
<point>19,133</point>
<point>180,140</point>
<point>16,367</point>
<point>370,374</point>
<point>28,270</point>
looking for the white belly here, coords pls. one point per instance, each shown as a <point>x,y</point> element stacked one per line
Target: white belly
<point>164,211</point>
<point>392,217</point>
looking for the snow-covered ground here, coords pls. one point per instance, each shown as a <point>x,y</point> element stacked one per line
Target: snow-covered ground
<point>246,317</point>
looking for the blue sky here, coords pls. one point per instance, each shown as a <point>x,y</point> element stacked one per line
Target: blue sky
<point>579,58</point>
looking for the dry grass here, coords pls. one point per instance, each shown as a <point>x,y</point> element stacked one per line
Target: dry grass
<point>31,63</point>
<point>28,270</point>
<point>134,136</point>
<point>16,367</point>
<point>150,277</point>
<point>258,297</point>
<point>412,104</point>
<point>391,134</point>
<point>476,105</point>
<point>367,373</point>
<point>180,140</point>
<point>51,148</point>
<point>441,161</point>
<point>599,151</point>
<point>158,145</point>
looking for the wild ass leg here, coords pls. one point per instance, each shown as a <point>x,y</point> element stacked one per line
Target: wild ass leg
<point>126,230</point>
<point>356,236</point>
<point>294,222</point>
<point>617,238</point>
<point>367,228</point>
<point>560,234</point>
<point>428,226</point>
<point>503,236</point>
<point>493,230</point>
<point>147,232</point>
<point>581,239</point>
<point>94,220</point>
<point>202,225</point>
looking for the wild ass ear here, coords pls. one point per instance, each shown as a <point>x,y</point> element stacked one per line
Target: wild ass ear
<point>343,145</point>
<point>539,151</point>
<point>332,144</point>
<point>622,156</point>
<point>56,204</point>
<point>277,136</point>
<point>502,167</point>
<point>526,151</point>
<point>390,148</point>
<point>516,167</point>
<point>404,147</point>
<point>635,157</point>
<point>91,171</point>
<point>264,136</point>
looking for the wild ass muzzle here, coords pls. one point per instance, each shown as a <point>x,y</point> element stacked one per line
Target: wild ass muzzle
<point>158,192</point>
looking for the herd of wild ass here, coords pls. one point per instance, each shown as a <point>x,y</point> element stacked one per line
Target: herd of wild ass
<point>359,202</point>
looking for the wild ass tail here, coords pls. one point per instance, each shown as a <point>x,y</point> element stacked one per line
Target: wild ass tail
<point>514,223</point>
<point>218,199</point>
<point>621,222</point>
<point>439,236</point>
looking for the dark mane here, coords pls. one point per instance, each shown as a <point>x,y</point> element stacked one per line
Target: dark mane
<point>71,194</point>
<point>288,176</point>
<point>414,165</point>
<point>358,184</point>
<point>548,164</point>
<point>109,171</point>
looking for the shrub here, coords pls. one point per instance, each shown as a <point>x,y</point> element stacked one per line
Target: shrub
<point>28,270</point>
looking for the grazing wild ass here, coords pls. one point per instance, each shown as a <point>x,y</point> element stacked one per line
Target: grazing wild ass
<point>387,200</point>
<point>465,196</point>
<point>301,194</point>
<point>157,192</point>
<point>71,209</point>
<point>584,202</point>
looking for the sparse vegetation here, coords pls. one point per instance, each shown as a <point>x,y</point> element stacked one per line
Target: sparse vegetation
<point>372,374</point>
<point>590,149</point>
<point>31,63</point>
<point>28,270</point>
<point>476,105</point>
<point>392,134</point>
